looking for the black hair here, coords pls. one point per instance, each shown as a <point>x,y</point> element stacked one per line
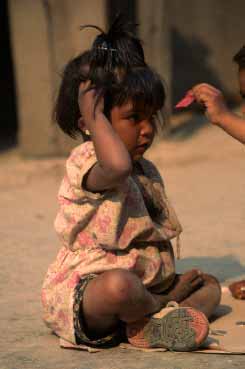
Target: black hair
<point>239,57</point>
<point>116,67</point>
<point>66,110</point>
<point>118,48</point>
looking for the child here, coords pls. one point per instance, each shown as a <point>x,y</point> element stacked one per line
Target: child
<point>215,105</point>
<point>116,265</point>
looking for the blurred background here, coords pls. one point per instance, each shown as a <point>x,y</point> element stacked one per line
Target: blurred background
<point>187,41</point>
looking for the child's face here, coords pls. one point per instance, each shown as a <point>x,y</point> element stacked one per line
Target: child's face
<point>134,128</point>
<point>241,77</point>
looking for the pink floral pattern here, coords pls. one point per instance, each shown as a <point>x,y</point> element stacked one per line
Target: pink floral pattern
<point>100,232</point>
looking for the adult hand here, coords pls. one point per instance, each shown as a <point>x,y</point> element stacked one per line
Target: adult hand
<point>213,100</point>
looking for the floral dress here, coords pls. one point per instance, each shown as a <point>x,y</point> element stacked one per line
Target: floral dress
<point>127,227</point>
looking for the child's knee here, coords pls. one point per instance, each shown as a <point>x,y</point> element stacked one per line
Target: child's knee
<point>214,287</point>
<point>210,279</point>
<point>122,286</point>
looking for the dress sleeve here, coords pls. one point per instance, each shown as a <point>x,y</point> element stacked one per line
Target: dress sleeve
<point>81,160</point>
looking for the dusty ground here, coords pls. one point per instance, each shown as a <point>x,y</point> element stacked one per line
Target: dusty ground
<point>204,171</point>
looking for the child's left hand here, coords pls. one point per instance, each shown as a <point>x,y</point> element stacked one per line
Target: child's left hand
<point>185,284</point>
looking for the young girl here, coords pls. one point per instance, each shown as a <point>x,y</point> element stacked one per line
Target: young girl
<point>115,269</point>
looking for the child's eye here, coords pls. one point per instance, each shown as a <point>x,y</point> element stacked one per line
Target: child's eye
<point>134,118</point>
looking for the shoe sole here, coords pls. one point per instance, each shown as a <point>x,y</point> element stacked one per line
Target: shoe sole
<point>183,329</point>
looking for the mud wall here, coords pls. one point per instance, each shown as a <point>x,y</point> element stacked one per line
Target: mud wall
<point>186,41</point>
<point>204,36</point>
<point>45,35</point>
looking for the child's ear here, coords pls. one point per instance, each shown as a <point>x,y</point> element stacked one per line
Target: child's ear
<point>81,124</point>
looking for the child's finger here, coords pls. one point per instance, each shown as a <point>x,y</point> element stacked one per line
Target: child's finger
<point>197,282</point>
<point>83,87</point>
<point>193,272</point>
<point>204,97</point>
<point>203,87</point>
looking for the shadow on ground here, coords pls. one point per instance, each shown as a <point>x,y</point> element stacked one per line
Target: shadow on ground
<point>223,268</point>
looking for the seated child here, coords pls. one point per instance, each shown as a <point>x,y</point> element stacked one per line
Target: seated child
<point>115,268</point>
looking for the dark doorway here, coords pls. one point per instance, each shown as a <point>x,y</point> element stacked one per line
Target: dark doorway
<point>126,7</point>
<point>8,118</point>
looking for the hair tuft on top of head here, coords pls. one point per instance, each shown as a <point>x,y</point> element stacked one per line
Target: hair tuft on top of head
<point>121,27</point>
<point>117,48</point>
<point>113,54</point>
<point>239,57</point>
<point>91,26</point>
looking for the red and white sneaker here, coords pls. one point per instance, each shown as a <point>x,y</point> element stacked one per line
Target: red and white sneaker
<point>173,328</point>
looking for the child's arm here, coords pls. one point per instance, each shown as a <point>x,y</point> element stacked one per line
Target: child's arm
<point>217,111</point>
<point>114,162</point>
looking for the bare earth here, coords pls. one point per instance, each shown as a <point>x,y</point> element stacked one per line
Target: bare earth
<point>204,173</point>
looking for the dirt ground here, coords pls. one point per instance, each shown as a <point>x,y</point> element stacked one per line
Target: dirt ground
<point>204,173</point>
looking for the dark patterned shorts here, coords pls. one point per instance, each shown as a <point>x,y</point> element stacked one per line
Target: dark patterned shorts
<point>81,338</point>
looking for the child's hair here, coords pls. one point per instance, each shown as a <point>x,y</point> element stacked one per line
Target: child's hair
<point>66,110</point>
<point>116,67</point>
<point>117,50</point>
<point>239,57</point>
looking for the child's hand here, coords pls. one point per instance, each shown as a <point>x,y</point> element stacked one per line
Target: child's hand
<point>186,284</point>
<point>89,105</point>
<point>212,99</point>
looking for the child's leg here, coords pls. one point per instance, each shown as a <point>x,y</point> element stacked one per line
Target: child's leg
<point>206,298</point>
<point>119,295</point>
<point>112,296</point>
<point>196,289</point>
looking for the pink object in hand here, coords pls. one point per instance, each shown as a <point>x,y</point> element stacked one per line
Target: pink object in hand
<point>186,101</point>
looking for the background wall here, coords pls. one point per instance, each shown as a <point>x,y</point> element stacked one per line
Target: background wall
<point>204,36</point>
<point>186,41</point>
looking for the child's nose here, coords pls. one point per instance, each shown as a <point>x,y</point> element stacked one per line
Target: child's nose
<point>147,128</point>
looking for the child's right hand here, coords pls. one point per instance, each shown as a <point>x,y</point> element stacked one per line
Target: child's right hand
<point>89,105</point>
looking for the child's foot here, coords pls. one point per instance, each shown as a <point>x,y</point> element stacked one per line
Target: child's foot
<point>174,328</point>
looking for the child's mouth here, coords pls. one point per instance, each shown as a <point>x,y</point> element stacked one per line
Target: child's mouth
<point>142,148</point>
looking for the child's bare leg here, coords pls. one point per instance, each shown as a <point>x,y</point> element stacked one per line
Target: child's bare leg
<point>112,296</point>
<point>207,297</point>
<point>120,295</point>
